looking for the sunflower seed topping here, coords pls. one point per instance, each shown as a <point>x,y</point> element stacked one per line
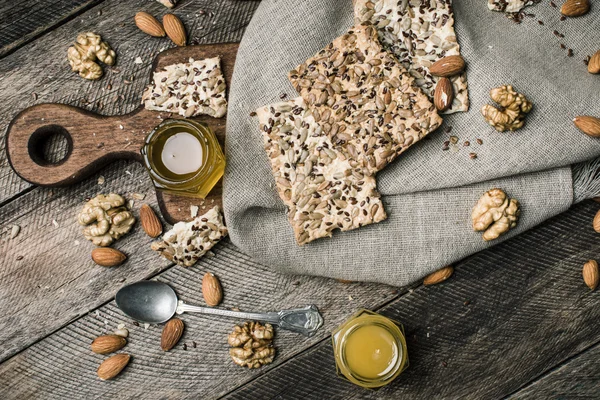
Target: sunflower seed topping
<point>314,177</point>
<point>188,89</point>
<point>418,33</point>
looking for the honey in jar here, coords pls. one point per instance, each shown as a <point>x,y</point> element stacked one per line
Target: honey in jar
<point>183,157</point>
<point>370,349</point>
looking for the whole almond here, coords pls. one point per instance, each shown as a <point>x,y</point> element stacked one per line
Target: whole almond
<point>438,276</point>
<point>148,24</point>
<point>150,222</point>
<point>594,63</point>
<point>171,334</point>
<point>588,125</point>
<point>112,366</point>
<point>591,277</point>
<point>448,66</point>
<point>575,8</point>
<point>108,344</point>
<point>444,94</point>
<point>211,289</point>
<point>174,29</point>
<point>108,257</point>
<point>596,223</point>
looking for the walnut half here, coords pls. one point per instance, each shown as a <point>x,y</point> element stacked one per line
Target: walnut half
<point>513,108</point>
<point>106,219</point>
<point>495,214</point>
<point>88,49</point>
<point>252,345</point>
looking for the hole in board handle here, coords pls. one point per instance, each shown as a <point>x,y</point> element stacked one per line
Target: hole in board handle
<point>50,145</point>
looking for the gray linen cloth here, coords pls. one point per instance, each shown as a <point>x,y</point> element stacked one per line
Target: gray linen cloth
<point>428,193</point>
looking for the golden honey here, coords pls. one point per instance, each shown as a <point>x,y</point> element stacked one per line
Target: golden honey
<point>370,349</point>
<point>183,157</point>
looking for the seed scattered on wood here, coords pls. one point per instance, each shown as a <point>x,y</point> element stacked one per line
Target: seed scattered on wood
<point>19,258</point>
<point>448,129</point>
<point>541,22</point>
<point>185,346</point>
<point>283,95</point>
<point>194,344</point>
<point>253,114</point>
<point>553,4</point>
<point>466,143</point>
<point>473,156</point>
<point>562,18</point>
<point>136,323</point>
<point>570,53</point>
<point>479,141</point>
<point>562,46</point>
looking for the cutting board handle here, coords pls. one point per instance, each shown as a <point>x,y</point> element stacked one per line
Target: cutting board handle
<point>93,141</point>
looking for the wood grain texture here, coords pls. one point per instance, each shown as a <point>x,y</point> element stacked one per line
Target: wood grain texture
<point>39,73</point>
<point>22,22</point>
<point>63,366</point>
<point>509,314</point>
<point>577,378</point>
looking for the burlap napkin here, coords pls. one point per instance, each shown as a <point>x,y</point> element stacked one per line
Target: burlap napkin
<point>428,192</point>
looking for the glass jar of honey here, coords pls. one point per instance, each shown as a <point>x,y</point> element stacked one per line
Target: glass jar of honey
<point>370,349</point>
<point>183,157</point>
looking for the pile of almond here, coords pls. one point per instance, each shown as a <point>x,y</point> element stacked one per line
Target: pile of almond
<point>171,26</point>
<point>445,69</point>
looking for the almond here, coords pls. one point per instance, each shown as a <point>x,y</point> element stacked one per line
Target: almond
<point>211,289</point>
<point>448,66</point>
<point>444,94</point>
<point>174,29</point>
<point>588,125</point>
<point>150,222</point>
<point>112,366</point>
<point>171,334</point>
<point>590,274</point>
<point>575,8</point>
<point>596,223</point>
<point>108,257</point>
<point>108,344</point>
<point>438,276</point>
<point>148,24</point>
<point>594,63</point>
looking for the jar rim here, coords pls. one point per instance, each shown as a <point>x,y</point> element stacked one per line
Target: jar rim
<point>361,319</point>
<point>207,140</point>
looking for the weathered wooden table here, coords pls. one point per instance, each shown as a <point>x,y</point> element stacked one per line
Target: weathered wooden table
<point>515,321</point>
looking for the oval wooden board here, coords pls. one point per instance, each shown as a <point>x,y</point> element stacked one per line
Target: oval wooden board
<point>95,140</point>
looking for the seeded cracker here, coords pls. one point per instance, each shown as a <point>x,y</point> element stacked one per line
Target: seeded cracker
<point>188,241</point>
<point>188,89</point>
<point>364,99</point>
<point>323,187</point>
<point>419,33</point>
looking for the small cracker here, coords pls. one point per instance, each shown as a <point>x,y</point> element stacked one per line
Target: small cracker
<point>186,242</point>
<point>188,89</point>
<point>510,6</point>
<point>364,99</point>
<point>323,188</point>
<point>418,34</point>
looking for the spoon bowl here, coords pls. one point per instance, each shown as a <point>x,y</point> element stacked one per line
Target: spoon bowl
<point>147,301</point>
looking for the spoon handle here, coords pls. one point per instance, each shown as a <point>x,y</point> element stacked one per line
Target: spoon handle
<point>305,320</point>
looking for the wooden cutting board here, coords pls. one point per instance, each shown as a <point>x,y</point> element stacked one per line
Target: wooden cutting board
<point>95,140</point>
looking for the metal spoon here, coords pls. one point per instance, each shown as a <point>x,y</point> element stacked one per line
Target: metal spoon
<point>155,302</point>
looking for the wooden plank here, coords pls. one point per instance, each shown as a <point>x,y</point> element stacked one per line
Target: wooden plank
<point>22,22</point>
<point>508,314</point>
<point>39,73</point>
<point>63,366</point>
<point>577,378</point>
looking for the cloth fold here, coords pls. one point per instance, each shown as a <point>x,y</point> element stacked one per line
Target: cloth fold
<point>428,192</point>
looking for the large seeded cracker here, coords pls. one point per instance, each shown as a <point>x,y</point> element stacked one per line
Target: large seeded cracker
<point>188,241</point>
<point>364,99</point>
<point>419,33</point>
<point>189,89</point>
<point>323,188</point>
